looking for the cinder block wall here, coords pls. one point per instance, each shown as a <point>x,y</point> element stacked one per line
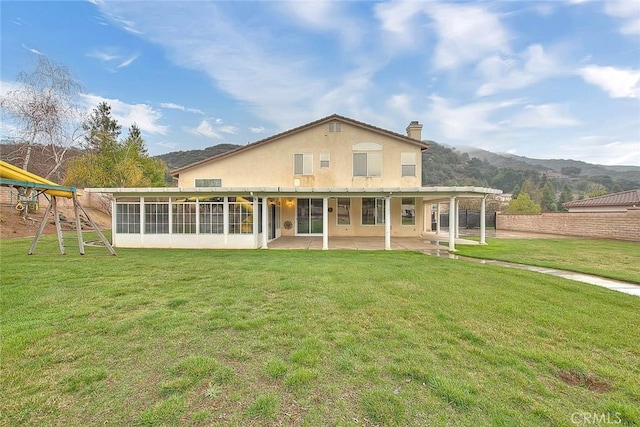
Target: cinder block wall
<point>600,225</point>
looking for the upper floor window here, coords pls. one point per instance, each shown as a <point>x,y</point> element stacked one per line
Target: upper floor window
<point>367,159</point>
<point>324,160</point>
<point>303,164</point>
<point>335,127</point>
<point>408,161</point>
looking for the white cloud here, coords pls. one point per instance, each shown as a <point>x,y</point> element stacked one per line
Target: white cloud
<point>112,58</point>
<point>600,150</point>
<point>628,11</point>
<point>617,82</point>
<point>397,21</point>
<point>143,115</point>
<point>323,15</point>
<point>466,34</point>
<point>172,106</point>
<point>205,129</point>
<point>466,123</point>
<point>128,61</point>
<point>542,116</point>
<point>508,72</point>
<point>32,50</point>
<point>258,129</point>
<point>229,129</point>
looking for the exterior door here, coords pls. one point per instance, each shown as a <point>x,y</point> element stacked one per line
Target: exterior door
<point>309,217</point>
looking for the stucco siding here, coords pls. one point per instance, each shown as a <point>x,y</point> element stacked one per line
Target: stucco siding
<point>272,164</point>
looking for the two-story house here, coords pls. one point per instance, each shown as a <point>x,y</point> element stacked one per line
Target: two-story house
<point>332,177</point>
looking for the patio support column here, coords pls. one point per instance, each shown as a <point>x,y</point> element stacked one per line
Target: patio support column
<point>426,215</point>
<point>457,218</point>
<point>438,218</point>
<point>225,220</point>
<point>387,223</point>
<point>452,224</point>
<point>483,232</point>
<point>325,223</point>
<point>256,220</point>
<point>265,222</point>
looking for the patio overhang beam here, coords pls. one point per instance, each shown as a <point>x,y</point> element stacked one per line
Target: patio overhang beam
<point>427,193</point>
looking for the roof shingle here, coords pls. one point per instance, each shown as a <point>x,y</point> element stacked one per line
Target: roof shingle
<point>624,198</point>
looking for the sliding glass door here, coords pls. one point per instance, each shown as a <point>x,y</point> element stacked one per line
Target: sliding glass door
<point>309,216</point>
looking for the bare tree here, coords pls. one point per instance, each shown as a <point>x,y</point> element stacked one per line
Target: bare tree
<point>44,115</point>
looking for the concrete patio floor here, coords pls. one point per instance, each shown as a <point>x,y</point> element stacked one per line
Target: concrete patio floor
<point>428,243</point>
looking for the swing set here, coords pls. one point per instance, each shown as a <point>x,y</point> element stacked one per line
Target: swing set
<point>30,187</point>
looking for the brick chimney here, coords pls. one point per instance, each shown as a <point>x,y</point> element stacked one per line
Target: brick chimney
<point>414,130</point>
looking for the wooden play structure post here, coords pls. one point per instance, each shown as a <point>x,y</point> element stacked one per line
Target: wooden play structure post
<point>13,176</point>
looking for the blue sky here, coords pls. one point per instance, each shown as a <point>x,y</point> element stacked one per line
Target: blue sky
<point>544,79</point>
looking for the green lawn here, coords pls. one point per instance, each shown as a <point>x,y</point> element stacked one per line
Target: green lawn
<point>606,258</point>
<point>253,337</point>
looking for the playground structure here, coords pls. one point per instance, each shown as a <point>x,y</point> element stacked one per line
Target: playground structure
<point>30,186</point>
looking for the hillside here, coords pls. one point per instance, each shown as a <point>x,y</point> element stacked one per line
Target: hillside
<point>442,165</point>
<point>178,159</point>
<point>556,165</point>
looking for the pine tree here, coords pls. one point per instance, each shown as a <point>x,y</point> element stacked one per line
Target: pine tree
<point>101,130</point>
<point>565,197</point>
<point>549,202</point>
<point>110,162</point>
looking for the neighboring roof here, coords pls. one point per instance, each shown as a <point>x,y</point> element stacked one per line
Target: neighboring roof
<point>624,198</point>
<point>327,119</point>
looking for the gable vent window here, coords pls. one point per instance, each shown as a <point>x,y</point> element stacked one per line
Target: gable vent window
<point>209,182</point>
<point>303,164</point>
<point>335,127</point>
<point>324,160</point>
<point>408,164</point>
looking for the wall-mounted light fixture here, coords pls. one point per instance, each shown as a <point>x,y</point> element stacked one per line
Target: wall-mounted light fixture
<point>289,203</point>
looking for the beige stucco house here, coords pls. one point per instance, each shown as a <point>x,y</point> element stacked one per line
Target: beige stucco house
<point>332,177</point>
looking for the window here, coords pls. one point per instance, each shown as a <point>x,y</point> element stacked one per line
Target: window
<point>128,215</point>
<point>335,127</point>
<point>156,215</point>
<point>367,164</point>
<point>240,215</point>
<point>344,211</point>
<point>408,161</point>
<point>324,160</point>
<point>184,216</point>
<point>408,207</point>
<point>212,215</point>
<point>303,164</point>
<point>367,159</point>
<point>209,182</point>
<point>372,211</point>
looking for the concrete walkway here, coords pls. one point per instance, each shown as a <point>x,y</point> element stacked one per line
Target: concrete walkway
<point>614,285</point>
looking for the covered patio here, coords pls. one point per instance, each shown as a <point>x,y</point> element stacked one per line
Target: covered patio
<point>430,242</point>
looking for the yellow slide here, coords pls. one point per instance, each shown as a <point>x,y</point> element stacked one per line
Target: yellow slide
<point>8,171</point>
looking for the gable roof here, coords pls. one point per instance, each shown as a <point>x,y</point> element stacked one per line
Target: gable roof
<point>624,198</point>
<point>327,119</point>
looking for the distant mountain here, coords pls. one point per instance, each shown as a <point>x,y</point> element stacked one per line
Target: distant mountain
<point>178,159</point>
<point>555,165</point>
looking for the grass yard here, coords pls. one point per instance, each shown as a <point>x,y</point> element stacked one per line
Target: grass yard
<point>253,337</point>
<point>607,258</point>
